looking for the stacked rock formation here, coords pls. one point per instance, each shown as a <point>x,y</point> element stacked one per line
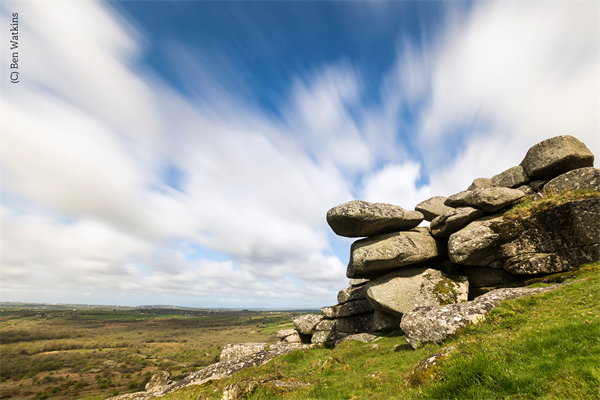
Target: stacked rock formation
<point>467,250</point>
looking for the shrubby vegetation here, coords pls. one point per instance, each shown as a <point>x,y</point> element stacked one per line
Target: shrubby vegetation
<point>59,353</point>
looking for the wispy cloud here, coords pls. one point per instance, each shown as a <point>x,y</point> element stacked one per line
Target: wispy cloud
<point>120,188</point>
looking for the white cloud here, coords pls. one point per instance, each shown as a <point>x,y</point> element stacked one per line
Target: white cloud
<point>88,135</point>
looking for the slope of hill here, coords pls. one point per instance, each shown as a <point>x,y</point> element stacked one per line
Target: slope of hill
<point>542,346</point>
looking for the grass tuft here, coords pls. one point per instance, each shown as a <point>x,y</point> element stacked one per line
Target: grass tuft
<point>529,205</point>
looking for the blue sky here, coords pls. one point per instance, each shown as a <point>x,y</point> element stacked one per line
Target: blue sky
<point>187,152</point>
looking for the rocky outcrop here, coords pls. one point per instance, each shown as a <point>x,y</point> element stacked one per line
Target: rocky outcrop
<point>158,382</point>
<point>487,199</point>
<point>436,323</point>
<point>469,236</point>
<point>555,156</point>
<point>578,179</point>
<point>376,255</point>
<point>433,207</point>
<point>360,219</point>
<point>453,220</point>
<point>404,289</point>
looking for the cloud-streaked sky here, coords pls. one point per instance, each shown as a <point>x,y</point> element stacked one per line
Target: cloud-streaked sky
<point>187,152</point>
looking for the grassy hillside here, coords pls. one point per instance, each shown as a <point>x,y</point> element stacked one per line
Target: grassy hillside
<point>543,346</point>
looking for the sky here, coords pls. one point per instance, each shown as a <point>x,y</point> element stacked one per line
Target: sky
<point>186,153</point>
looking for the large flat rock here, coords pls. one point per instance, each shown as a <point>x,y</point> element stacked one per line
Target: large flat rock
<point>555,156</point>
<point>306,324</point>
<point>486,199</point>
<point>362,219</point>
<point>375,255</point>
<point>404,289</point>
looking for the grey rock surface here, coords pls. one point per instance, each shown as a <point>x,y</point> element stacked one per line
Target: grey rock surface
<point>384,322</point>
<point>480,183</point>
<point>347,309</point>
<point>436,323</point>
<point>293,338</point>
<point>353,324</point>
<point>454,220</point>
<point>433,207</point>
<point>375,255</point>
<point>554,240</point>
<point>239,350</point>
<point>360,218</point>
<point>476,244</point>
<point>484,276</point>
<point>404,289</point>
<point>487,199</point>
<point>555,156</point>
<point>352,293</point>
<point>306,323</point>
<point>577,179</point>
<point>511,178</point>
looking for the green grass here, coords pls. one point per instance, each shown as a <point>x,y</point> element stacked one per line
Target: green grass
<point>539,347</point>
<point>527,206</point>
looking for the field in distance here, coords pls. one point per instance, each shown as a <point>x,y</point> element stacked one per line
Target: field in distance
<point>76,351</point>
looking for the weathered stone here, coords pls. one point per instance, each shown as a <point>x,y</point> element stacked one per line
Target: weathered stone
<point>362,337</point>
<point>538,185</point>
<point>381,253</point>
<point>347,309</point>
<point>511,178</point>
<point>293,338</point>
<point>358,281</point>
<point>234,351</point>
<point>487,199</point>
<point>433,207</point>
<point>327,337</point>
<point>556,239</point>
<point>453,220</point>
<point>352,293</point>
<point>326,325</point>
<point>283,333</point>
<point>436,323</point>
<point>306,324</point>
<point>484,276</point>
<point>360,218</point>
<point>582,178</point>
<point>355,324</point>
<point>384,322</point>
<point>246,388</point>
<point>555,156</point>
<point>404,289</point>
<point>476,244</point>
<point>160,380</point>
<point>481,183</point>
<point>447,267</point>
